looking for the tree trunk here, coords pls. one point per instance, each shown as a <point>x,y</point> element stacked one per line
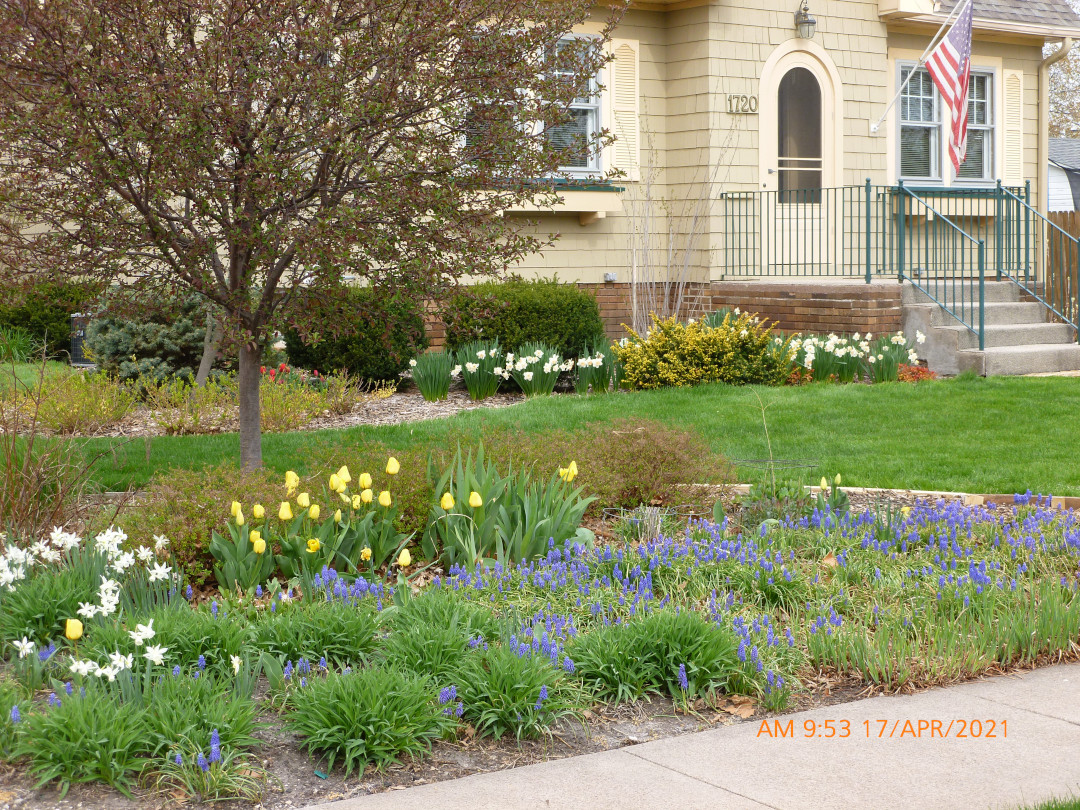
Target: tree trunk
<point>211,343</point>
<point>247,379</point>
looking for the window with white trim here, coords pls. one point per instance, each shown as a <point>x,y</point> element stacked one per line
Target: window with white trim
<point>924,129</point>
<point>583,123</point>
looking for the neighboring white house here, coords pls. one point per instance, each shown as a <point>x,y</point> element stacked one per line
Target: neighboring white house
<point>1064,186</point>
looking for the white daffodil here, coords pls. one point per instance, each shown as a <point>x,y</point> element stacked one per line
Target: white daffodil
<point>25,647</point>
<point>155,654</point>
<point>159,572</point>
<point>109,673</point>
<point>920,338</point>
<point>161,542</point>
<point>120,662</point>
<point>236,662</point>
<point>481,354</point>
<point>82,668</point>
<point>412,363</point>
<point>471,367</point>
<point>144,554</point>
<point>123,562</point>
<point>87,610</point>
<point>528,376</point>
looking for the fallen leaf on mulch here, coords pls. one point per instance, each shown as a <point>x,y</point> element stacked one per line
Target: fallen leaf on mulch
<point>740,706</point>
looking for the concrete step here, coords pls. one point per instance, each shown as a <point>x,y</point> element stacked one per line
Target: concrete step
<point>1041,358</point>
<point>964,290</point>
<point>1000,314</point>
<point>1015,334</point>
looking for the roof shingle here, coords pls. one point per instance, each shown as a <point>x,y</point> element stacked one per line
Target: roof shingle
<point>1035,12</point>
<point>1065,152</point>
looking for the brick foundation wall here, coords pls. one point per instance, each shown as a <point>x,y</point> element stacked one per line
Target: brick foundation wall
<point>821,308</point>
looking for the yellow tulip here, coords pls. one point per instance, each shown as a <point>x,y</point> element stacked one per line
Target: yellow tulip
<point>343,474</point>
<point>366,496</point>
<point>365,555</point>
<point>392,466</point>
<point>313,545</point>
<point>447,502</point>
<point>824,483</point>
<point>573,468</point>
<point>73,629</point>
<point>838,479</point>
<point>258,511</point>
<point>365,481</point>
<point>404,559</point>
<point>239,518</point>
<point>284,511</point>
<point>344,497</point>
<point>303,500</point>
<point>337,516</point>
<point>234,508</point>
<point>314,511</point>
<point>358,500</point>
<point>258,545</point>
<point>335,483</point>
<point>475,501</point>
<point>292,481</point>
<point>384,498</point>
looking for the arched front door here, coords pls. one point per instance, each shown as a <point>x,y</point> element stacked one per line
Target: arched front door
<point>801,151</point>
<point>799,155</point>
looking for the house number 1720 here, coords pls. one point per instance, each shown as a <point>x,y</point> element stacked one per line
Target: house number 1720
<point>739,105</point>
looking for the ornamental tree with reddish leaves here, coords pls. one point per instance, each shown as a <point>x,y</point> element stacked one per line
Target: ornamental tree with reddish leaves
<point>262,153</point>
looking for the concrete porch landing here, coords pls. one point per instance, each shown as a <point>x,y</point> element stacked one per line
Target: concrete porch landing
<point>736,768</point>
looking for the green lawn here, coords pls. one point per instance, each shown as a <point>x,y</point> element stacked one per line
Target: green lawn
<point>981,435</point>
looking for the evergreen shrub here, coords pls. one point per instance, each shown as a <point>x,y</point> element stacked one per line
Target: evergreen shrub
<point>376,346</point>
<point>165,345</point>
<point>520,311</point>
<point>43,310</point>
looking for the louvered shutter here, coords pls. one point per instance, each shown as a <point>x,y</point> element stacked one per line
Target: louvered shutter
<point>1012,122</point>
<point>623,95</point>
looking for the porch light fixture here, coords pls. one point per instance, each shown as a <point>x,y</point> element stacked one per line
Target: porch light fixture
<point>805,25</point>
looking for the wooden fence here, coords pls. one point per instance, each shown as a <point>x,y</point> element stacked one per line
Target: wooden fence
<point>1063,263</point>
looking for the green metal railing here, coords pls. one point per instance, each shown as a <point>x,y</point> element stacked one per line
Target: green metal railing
<point>1052,278</point>
<point>847,231</point>
<point>942,240</point>
<point>942,259</point>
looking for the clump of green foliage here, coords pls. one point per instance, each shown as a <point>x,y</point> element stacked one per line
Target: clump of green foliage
<point>740,350</point>
<point>381,334</point>
<point>513,313</point>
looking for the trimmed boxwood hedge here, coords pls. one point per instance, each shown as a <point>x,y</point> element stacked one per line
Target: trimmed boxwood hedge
<point>519,311</point>
<point>384,335</point>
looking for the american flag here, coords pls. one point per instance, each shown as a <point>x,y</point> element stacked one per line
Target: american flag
<point>950,67</point>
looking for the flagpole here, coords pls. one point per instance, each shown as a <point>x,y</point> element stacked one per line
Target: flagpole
<point>874,127</point>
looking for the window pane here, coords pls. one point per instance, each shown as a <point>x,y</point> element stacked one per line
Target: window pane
<point>974,165</point>
<point>573,136</point>
<point>917,152</point>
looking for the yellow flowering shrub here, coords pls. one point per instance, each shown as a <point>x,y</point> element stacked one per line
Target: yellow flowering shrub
<point>740,350</point>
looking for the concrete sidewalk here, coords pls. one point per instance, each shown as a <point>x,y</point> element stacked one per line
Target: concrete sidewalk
<point>1034,755</point>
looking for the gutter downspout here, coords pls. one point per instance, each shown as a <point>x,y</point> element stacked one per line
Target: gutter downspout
<point>1043,191</point>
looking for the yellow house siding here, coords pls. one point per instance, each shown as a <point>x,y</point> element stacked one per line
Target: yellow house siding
<point>691,59</point>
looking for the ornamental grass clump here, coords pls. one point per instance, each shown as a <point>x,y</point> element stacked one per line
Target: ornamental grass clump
<point>740,351</point>
<point>482,366</point>
<point>647,653</point>
<point>506,690</point>
<point>432,374</point>
<point>374,715</point>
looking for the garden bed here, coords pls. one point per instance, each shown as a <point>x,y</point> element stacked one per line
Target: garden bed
<point>579,650</point>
